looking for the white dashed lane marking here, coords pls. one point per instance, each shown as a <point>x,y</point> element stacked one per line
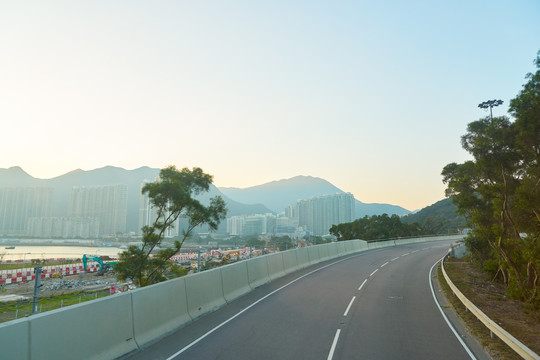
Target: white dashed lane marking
<point>349,307</point>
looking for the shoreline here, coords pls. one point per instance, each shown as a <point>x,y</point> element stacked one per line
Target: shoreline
<point>8,242</point>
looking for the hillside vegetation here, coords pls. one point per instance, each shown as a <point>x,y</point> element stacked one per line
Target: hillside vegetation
<point>439,218</point>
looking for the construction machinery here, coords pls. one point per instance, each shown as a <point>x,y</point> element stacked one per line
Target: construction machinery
<point>103,267</point>
<point>230,253</point>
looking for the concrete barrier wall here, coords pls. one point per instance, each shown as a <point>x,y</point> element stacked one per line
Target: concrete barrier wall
<point>379,244</point>
<point>276,268</point>
<point>290,263</point>
<point>99,329</point>
<point>349,247</point>
<point>235,280</point>
<point>302,257</point>
<point>258,271</point>
<point>323,252</point>
<point>111,327</point>
<point>313,254</point>
<point>332,250</point>
<point>360,245</point>
<point>159,309</point>
<point>14,339</point>
<point>204,292</point>
<point>340,245</point>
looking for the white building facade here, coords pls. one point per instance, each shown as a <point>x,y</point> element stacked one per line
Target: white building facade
<point>318,214</point>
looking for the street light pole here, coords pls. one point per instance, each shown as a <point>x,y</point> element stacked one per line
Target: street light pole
<point>37,285</point>
<point>490,104</point>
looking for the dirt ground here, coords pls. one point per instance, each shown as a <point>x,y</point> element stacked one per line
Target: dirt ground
<point>517,318</point>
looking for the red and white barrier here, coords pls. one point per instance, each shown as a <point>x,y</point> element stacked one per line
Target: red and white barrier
<point>27,274</point>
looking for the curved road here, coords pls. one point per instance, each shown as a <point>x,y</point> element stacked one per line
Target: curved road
<point>377,304</point>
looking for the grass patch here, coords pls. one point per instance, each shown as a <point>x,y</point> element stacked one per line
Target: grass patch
<point>18,309</point>
<point>29,266</point>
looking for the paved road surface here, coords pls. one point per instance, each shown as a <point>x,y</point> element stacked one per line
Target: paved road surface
<point>373,305</point>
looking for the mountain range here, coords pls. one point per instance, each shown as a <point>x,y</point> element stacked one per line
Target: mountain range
<point>274,196</point>
<point>277,195</point>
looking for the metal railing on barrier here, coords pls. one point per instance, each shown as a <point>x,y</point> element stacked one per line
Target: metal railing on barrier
<point>414,237</point>
<point>493,327</point>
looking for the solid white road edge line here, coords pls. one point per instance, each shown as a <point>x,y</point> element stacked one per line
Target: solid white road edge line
<point>333,348</point>
<point>255,303</point>
<point>349,307</point>
<point>444,315</point>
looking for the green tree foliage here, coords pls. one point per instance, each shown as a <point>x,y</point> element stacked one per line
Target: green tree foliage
<point>255,243</point>
<point>499,192</point>
<point>375,227</point>
<point>171,197</point>
<point>317,240</point>
<point>281,243</point>
<point>439,218</point>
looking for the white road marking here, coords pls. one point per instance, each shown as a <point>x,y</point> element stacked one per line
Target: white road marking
<point>252,305</point>
<point>444,315</point>
<point>333,348</point>
<point>405,254</point>
<point>361,286</point>
<point>412,252</point>
<point>394,259</point>
<point>383,265</point>
<point>373,273</point>
<point>349,307</point>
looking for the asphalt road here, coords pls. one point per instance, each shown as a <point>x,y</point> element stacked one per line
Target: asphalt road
<point>377,304</point>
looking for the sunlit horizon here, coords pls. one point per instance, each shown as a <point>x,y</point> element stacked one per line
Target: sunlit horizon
<point>372,97</point>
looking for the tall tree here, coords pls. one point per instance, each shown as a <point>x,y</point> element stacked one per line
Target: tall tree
<point>172,197</point>
<point>375,227</point>
<point>499,191</point>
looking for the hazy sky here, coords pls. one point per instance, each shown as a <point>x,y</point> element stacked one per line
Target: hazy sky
<point>372,96</point>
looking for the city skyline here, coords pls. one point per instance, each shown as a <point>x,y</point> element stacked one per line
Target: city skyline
<point>95,211</point>
<point>372,97</point>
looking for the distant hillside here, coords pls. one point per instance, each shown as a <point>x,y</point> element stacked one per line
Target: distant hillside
<point>16,177</point>
<point>439,218</point>
<point>261,199</point>
<point>363,209</point>
<point>277,195</point>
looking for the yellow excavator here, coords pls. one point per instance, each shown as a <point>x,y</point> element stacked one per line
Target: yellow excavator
<point>228,254</point>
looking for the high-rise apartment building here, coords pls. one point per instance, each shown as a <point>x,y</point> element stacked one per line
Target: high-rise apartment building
<point>248,225</point>
<point>107,204</point>
<point>318,214</point>
<point>63,227</point>
<point>235,225</point>
<point>18,205</point>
